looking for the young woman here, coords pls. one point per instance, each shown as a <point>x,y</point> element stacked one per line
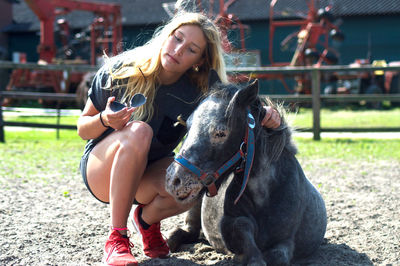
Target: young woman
<point>128,151</point>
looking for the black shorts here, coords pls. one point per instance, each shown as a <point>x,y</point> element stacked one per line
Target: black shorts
<point>83,169</point>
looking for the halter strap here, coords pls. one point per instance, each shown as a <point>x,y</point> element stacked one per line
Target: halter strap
<point>249,153</point>
<point>208,180</point>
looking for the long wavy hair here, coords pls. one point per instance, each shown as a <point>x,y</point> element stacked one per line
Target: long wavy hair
<point>141,65</point>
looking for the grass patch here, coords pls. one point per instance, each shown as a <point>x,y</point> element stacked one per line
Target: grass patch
<point>37,155</point>
<point>330,117</point>
<point>40,135</point>
<point>362,118</point>
<point>64,120</point>
<point>349,149</point>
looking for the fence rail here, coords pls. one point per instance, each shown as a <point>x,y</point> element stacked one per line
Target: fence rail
<point>315,98</point>
<point>34,66</point>
<point>60,97</point>
<point>26,95</point>
<point>336,98</point>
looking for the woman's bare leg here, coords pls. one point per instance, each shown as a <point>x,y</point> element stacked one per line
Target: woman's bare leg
<point>117,173</point>
<point>159,204</point>
<point>116,166</point>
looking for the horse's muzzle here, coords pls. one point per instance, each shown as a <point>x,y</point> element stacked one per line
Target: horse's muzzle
<point>182,184</point>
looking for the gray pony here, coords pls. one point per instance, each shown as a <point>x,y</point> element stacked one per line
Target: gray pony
<point>264,209</point>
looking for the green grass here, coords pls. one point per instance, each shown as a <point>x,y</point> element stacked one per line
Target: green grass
<point>35,155</point>
<point>27,152</point>
<point>347,118</point>
<point>40,135</point>
<point>38,155</point>
<point>361,118</point>
<point>349,149</point>
<point>65,120</point>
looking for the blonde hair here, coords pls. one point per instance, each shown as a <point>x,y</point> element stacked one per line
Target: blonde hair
<point>142,65</point>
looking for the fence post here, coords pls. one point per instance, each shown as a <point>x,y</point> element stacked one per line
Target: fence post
<point>1,120</point>
<point>58,119</point>
<point>316,102</point>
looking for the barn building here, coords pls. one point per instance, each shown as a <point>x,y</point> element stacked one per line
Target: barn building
<point>371,27</point>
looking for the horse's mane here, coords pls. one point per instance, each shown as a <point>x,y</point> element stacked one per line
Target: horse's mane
<point>271,142</point>
<point>222,90</point>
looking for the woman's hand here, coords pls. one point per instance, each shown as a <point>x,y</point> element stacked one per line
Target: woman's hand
<point>272,119</point>
<point>116,120</point>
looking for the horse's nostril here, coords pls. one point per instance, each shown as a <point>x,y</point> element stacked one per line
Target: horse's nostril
<point>177,182</point>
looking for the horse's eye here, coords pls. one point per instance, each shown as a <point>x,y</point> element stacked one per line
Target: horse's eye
<point>220,134</point>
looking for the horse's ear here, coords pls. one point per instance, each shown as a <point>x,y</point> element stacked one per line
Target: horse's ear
<point>213,78</point>
<point>248,95</point>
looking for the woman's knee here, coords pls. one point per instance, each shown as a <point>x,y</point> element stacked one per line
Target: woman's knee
<point>137,135</point>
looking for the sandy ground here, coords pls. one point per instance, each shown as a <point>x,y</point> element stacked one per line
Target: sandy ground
<point>55,221</point>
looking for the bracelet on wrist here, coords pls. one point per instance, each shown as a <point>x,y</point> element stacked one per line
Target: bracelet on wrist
<point>102,122</point>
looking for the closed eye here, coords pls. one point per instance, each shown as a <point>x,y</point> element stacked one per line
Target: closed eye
<point>177,38</point>
<point>220,134</point>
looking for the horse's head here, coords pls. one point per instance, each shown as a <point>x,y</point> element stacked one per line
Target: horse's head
<point>216,131</point>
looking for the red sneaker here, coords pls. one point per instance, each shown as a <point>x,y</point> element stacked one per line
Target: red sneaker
<point>154,245</point>
<point>117,250</point>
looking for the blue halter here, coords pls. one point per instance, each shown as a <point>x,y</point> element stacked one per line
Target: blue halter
<point>208,180</point>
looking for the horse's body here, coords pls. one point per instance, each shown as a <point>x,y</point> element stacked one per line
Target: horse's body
<point>280,215</point>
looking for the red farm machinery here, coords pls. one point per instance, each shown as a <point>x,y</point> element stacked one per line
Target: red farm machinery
<point>57,46</point>
<point>311,34</point>
<point>309,44</point>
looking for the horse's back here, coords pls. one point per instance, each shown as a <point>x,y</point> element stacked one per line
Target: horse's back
<point>311,231</point>
<point>313,227</point>
<point>295,200</point>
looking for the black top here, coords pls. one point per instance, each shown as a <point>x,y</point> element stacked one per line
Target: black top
<point>179,98</point>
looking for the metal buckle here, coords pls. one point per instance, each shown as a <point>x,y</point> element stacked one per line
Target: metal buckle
<point>242,149</point>
<point>208,180</point>
<point>240,167</point>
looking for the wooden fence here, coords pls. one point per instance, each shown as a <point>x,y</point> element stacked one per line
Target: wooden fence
<point>59,97</point>
<point>315,98</point>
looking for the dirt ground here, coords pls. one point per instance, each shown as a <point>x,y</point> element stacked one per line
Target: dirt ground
<point>57,222</point>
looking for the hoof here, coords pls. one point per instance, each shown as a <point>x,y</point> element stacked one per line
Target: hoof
<point>278,257</point>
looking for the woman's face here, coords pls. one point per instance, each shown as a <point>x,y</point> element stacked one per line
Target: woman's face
<point>183,49</point>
